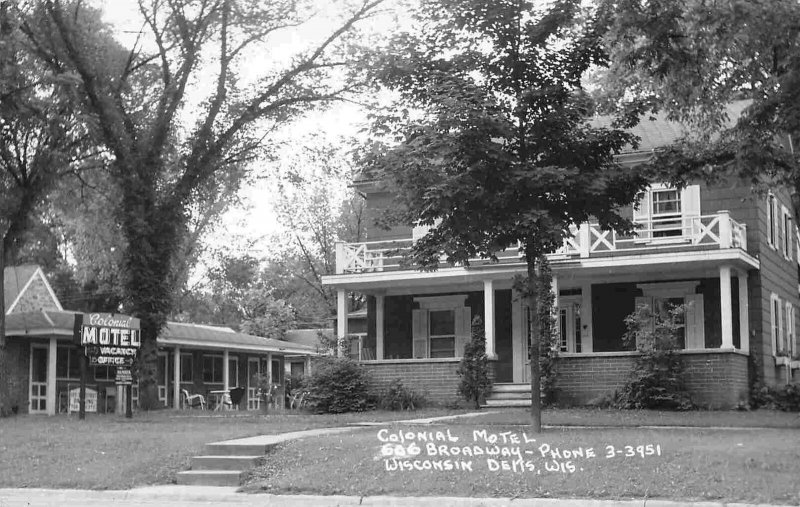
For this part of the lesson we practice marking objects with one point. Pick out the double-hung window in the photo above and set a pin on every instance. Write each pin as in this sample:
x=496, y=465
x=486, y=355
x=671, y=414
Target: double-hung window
x=664, y=212
x=212, y=369
x=786, y=233
x=777, y=327
x=772, y=220
x=441, y=327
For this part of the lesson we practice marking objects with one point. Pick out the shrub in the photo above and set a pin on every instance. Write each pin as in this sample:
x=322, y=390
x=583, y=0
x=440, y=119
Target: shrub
x=400, y=397
x=786, y=398
x=656, y=380
x=336, y=385
x=473, y=369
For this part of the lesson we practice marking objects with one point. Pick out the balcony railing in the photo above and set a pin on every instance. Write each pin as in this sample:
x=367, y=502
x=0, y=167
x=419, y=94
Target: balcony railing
x=588, y=240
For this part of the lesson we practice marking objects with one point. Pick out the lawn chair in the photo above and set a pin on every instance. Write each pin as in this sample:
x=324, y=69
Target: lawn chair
x=298, y=399
x=268, y=397
x=234, y=398
x=193, y=400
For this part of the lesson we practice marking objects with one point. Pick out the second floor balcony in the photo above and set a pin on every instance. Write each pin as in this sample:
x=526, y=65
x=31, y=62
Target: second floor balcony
x=670, y=234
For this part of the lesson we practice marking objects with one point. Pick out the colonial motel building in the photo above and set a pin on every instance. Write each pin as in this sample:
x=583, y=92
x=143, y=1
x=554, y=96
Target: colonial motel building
x=42, y=363
x=730, y=253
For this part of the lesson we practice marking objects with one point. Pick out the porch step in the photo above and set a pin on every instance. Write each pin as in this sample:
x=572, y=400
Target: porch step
x=210, y=477
x=509, y=395
x=508, y=403
x=224, y=462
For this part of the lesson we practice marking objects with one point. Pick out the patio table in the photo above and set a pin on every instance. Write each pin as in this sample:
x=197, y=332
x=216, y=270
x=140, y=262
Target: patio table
x=219, y=398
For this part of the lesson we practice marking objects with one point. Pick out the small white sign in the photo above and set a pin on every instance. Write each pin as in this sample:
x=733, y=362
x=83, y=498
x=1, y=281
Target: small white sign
x=75, y=400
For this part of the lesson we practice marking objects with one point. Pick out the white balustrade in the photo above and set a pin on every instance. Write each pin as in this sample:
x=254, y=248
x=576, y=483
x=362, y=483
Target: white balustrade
x=718, y=230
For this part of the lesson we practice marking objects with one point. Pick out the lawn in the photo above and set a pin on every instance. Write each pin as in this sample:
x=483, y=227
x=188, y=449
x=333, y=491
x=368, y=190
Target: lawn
x=109, y=452
x=748, y=464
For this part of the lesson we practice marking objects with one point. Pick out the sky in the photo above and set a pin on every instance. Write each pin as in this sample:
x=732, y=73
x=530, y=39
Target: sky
x=255, y=222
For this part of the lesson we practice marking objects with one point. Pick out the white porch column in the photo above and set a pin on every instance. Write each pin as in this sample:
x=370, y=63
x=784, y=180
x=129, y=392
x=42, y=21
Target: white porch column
x=554, y=288
x=380, y=300
x=269, y=367
x=488, y=317
x=51, y=377
x=225, y=370
x=725, y=307
x=308, y=365
x=744, y=312
x=176, y=380
x=341, y=321
x=586, y=318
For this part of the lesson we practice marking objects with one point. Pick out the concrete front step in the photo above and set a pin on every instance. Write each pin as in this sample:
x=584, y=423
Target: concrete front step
x=511, y=388
x=232, y=449
x=210, y=477
x=508, y=403
x=224, y=462
x=511, y=396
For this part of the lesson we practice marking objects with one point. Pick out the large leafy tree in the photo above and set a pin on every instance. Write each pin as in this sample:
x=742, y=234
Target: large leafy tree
x=692, y=59
x=491, y=145
x=41, y=140
x=172, y=142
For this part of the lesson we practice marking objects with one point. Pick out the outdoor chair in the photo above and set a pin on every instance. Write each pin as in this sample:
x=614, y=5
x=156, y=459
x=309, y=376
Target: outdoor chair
x=297, y=399
x=234, y=397
x=268, y=397
x=193, y=400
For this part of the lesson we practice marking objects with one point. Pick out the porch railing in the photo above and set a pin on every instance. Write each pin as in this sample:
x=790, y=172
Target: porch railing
x=718, y=230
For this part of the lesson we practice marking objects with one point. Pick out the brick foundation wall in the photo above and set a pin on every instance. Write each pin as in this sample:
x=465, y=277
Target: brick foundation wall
x=435, y=378
x=716, y=379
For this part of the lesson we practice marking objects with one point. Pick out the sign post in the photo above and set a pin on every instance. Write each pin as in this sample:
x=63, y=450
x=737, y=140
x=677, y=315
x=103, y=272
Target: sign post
x=109, y=340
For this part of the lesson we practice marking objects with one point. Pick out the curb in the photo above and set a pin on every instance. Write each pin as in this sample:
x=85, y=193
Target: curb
x=187, y=495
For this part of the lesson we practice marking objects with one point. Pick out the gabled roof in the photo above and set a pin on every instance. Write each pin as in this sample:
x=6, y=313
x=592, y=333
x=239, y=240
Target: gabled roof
x=16, y=278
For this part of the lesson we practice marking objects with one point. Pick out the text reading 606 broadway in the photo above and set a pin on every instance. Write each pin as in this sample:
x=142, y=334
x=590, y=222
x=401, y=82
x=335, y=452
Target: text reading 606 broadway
x=508, y=451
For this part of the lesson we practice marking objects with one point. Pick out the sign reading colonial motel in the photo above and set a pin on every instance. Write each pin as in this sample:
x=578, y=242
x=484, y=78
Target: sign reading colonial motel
x=110, y=339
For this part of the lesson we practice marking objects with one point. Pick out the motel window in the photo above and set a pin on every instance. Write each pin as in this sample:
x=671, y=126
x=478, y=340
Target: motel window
x=441, y=327
x=772, y=216
x=789, y=324
x=665, y=212
x=68, y=363
x=786, y=233
x=105, y=373
x=442, y=337
x=776, y=318
x=212, y=369
x=233, y=371
x=186, y=368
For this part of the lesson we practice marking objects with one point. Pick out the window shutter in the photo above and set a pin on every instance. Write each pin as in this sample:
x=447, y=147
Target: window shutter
x=641, y=215
x=419, y=326
x=775, y=224
x=646, y=301
x=463, y=329
x=694, y=322
x=690, y=209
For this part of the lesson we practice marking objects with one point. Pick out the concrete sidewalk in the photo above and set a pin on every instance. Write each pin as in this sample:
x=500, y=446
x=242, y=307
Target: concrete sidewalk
x=227, y=496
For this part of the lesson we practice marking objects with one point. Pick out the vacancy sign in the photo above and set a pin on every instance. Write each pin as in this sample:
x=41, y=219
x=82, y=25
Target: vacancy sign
x=110, y=339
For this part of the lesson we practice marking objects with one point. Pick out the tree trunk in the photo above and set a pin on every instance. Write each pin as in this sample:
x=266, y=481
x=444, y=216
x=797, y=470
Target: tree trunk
x=531, y=259
x=5, y=396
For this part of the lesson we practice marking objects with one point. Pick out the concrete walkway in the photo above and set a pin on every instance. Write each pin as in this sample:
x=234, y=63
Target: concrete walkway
x=226, y=496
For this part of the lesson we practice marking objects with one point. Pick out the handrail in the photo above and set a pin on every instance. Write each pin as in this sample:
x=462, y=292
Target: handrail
x=688, y=231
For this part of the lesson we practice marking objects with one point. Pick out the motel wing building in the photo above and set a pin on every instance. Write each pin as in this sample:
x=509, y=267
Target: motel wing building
x=731, y=253
x=42, y=363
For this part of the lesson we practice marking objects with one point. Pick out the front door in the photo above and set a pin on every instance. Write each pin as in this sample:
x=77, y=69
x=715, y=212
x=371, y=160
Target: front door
x=568, y=325
x=253, y=369
x=38, y=379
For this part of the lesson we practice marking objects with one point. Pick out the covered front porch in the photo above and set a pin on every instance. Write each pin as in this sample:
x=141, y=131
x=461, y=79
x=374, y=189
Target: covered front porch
x=417, y=324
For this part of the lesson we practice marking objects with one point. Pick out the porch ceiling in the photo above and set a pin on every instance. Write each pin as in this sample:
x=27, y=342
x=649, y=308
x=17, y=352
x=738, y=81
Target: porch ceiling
x=657, y=265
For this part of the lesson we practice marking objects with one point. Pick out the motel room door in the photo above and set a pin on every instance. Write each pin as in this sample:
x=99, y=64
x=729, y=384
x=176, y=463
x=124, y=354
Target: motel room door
x=38, y=379
x=253, y=369
x=568, y=329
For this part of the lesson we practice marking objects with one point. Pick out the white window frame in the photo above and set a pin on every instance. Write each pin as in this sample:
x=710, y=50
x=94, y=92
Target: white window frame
x=786, y=228
x=187, y=371
x=453, y=303
x=213, y=370
x=789, y=326
x=772, y=219
x=776, y=324
x=441, y=337
x=66, y=349
x=685, y=217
